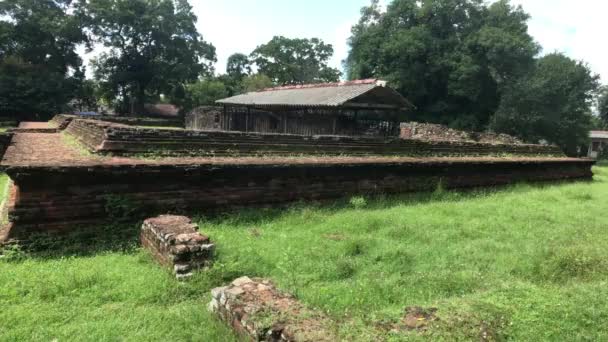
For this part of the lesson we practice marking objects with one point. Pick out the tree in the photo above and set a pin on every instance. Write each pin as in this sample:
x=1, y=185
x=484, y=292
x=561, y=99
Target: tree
x=295, y=61
x=238, y=66
x=203, y=93
x=602, y=104
x=256, y=82
x=153, y=48
x=451, y=58
x=38, y=57
x=552, y=103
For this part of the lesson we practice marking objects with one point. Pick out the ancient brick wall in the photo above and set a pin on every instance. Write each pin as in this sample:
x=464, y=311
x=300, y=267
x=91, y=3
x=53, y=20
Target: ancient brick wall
x=175, y=243
x=61, y=121
x=63, y=198
x=435, y=132
x=258, y=311
x=204, y=118
x=118, y=139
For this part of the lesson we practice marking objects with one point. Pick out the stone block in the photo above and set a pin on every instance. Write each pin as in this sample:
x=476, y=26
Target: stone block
x=175, y=243
x=258, y=311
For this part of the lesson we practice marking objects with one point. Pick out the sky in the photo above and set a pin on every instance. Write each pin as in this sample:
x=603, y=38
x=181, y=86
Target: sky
x=571, y=26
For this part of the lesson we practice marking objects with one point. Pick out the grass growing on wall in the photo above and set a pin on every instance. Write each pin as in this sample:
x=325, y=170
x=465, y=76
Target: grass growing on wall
x=522, y=263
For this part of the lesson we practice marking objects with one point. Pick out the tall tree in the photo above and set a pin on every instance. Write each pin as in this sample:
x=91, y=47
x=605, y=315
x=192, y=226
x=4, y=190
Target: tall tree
x=295, y=61
x=451, y=58
x=602, y=104
x=153, y=47
x=238, y=66
x=38, y=57
x=553, y=103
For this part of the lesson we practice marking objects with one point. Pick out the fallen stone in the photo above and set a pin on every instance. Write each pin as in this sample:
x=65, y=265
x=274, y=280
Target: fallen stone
x=175, y=243
x=257, y=310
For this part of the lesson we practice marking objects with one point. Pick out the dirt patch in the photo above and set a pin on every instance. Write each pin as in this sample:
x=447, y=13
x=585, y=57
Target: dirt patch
x=416, y=318
x=335, y=237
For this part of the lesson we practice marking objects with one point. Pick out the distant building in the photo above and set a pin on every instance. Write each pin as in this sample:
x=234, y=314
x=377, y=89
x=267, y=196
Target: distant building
x=599, y=141
x=161, y=110
x=364, y=107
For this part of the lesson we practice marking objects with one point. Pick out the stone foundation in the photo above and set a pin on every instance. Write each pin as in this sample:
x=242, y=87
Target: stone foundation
x=61, y=199
x=257, y=310
x=175, y=243
x=116, y=139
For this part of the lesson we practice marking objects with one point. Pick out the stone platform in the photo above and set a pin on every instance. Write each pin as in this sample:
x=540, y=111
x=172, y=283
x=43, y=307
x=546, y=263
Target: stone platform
x=34, y=127
x=59, y=187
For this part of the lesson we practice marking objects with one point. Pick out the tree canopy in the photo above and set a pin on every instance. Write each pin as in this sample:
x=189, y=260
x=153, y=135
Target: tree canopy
x=152, y=48
x=552, y=103
x=38, y=58
x=602, y=104
x=295, y=61
x=451, y=58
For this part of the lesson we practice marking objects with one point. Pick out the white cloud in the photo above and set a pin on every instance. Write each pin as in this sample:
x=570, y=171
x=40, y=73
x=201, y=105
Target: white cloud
x=575, y=28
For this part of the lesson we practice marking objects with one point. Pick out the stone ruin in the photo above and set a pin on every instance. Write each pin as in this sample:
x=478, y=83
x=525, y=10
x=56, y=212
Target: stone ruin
x=257, y=310
x=435, y=132
x=175, y=243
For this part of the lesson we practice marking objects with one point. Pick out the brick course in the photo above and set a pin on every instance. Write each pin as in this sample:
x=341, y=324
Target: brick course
x=175, y=243
x=109, y=138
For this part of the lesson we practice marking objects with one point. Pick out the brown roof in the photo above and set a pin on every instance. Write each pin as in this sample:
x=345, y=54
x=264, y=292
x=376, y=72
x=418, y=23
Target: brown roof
x=161, y=109
x=339, y=94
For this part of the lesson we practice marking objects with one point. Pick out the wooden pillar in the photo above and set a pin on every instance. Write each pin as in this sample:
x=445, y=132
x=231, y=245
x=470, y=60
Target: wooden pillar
x=334, y=125
x=284, y=123
x=247, y=119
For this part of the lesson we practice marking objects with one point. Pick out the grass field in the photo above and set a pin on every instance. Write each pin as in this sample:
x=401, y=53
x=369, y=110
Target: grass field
x=521, y=263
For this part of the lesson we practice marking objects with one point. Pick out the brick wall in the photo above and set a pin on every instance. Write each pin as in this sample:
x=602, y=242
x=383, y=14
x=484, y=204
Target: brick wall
x=103, y=137
x=60, y=199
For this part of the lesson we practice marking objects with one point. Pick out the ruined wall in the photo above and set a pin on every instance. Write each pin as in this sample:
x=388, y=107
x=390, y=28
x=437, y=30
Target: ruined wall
x=118, y=139
x=62, y=120
x=435, y=132
x=5, y=141
x=204, y=118
x=60, y=199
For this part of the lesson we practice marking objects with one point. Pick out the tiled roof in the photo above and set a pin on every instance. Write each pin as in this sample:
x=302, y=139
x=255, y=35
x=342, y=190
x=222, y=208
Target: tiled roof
x=315, y=95
x=599, y=134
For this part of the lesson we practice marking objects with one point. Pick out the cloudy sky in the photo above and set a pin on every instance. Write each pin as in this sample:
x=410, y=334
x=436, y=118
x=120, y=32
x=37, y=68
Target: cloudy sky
x=571, y=26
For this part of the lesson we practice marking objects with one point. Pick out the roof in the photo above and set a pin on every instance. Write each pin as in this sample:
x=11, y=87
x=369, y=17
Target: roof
x=324, y=95
x=599, y=134
x=161, y=109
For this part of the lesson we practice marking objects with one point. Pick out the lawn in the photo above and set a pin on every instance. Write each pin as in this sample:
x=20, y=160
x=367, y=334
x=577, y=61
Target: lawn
x=526, y=262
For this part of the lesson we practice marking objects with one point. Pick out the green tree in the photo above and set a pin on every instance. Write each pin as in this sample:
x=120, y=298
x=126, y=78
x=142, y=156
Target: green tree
x=553, y=103
x=295, y=61
x=602, y=105
x=256, y=82
x=203, y=93
x=38, y=41
x=451, y=58
x=153, y=47
x=238, y=66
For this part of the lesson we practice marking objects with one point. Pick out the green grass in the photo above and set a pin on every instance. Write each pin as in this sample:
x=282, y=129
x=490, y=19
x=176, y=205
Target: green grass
x=520, y=263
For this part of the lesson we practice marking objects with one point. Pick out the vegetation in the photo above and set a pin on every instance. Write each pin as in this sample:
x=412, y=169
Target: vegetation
x=462, y=61
x=39, y=66
x=602, y=105
x=552, y=103
x=153, y=48
x=521, y=263
x=295, y=61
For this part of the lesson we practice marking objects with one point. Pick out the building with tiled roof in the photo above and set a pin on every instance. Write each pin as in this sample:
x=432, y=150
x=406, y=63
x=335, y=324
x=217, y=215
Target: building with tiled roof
x=363, y=107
